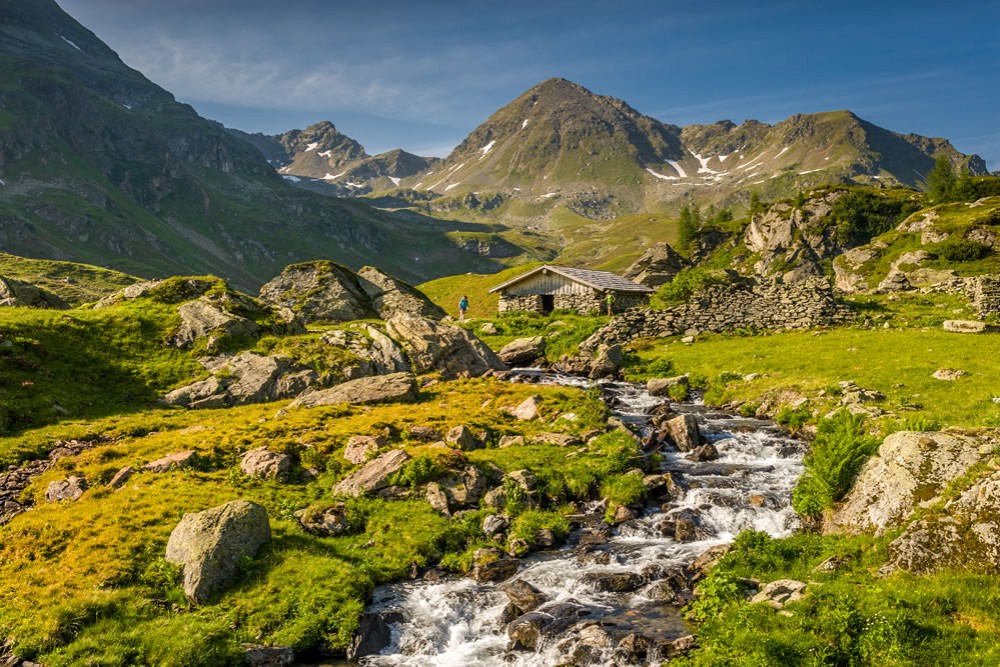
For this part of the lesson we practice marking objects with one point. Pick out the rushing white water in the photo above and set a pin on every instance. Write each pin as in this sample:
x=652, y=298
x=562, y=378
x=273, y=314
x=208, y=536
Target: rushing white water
x=457, y=622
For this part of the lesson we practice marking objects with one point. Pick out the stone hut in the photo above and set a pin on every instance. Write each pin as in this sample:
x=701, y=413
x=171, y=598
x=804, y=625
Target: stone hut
x=549, y=288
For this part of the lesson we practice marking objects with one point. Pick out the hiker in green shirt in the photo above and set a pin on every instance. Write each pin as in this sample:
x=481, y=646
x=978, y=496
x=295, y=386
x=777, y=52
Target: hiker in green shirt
x=609, y=299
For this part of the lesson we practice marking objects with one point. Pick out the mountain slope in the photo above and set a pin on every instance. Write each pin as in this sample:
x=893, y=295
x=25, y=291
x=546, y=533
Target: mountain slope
x=99, y=165
x=560, y=144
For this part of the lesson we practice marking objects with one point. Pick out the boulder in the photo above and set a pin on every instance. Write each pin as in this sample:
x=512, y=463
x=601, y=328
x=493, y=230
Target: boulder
x=895, y=281
x=683, y=430
x=528, y=631
x=268, y=656
x=658, y=265
x=607, y=362
x=910, y=468
x=614, y=582
x=121, y=477
x=205, y=318
x=360, y=448
x=495, y=570
x=662, y=386
x=495, y=524
x=262, y=462
x=707, y=452
x=948, y=374
x=524, y=596
x=174, y=461
x=395, y=387
x=449, y=350
x=209, y=545
x=373, y=476
x=779, y=593
x=177, y=291
x=465, y=487
x=246, y=378
x=461, y=437
x=511, y=440
x=965, y=537
x=964, y=326
x=66, y=489
x=319, y=291
x=390, y=296
x=437, y=498
x=522, y=351
x=527, y=409
x=373, y=634
x=325, y=519
x=558, y=439
x=19, y=293
x=488, y=329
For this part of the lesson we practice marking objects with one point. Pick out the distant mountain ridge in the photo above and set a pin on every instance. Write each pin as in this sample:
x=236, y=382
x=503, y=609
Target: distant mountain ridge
x=560, y=144
x=99, y=165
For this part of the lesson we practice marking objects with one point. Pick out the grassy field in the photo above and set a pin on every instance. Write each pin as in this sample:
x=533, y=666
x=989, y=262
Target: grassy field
x=447, y=292
x=76, y=283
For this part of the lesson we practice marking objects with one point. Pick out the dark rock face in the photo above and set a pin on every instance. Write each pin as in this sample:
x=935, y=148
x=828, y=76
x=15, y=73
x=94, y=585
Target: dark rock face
x=615, y=582
x=524, y=596
x=496, y=570
x=549, y=620
x=373, y=634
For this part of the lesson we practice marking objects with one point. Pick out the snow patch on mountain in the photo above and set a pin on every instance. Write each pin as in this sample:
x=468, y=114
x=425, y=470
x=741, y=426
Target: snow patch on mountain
x=662, y=177
x=487, y=148
x=71, y=43
x=452, y=185
x=325, y=153
x=678, y=168
x=395, y=181
x=293, y=179
x=333, y=177
x=313, y=146
x=524, y=123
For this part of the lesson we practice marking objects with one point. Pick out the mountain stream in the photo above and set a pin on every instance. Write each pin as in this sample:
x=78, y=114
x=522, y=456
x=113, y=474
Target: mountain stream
x=459, y=622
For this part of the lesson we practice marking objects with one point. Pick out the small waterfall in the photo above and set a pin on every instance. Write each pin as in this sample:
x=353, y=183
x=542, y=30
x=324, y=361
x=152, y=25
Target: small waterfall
x=459, y=623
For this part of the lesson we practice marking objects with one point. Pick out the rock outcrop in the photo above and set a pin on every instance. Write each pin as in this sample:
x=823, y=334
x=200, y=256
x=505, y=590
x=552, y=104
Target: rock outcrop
x=246, y=378
x=66, y=489
x=323, y=291
x=910, y=469
x=395, y=387
x=522, y=351
x=373, y=476
x=262, y=462
x=658, y=265
x=19, y=293
x=209, y=545
x=435, y=346
x=375, y=352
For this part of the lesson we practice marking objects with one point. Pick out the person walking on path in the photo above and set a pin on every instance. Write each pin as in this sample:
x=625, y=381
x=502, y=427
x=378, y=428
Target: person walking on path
x=609, y=299
x=463, y=306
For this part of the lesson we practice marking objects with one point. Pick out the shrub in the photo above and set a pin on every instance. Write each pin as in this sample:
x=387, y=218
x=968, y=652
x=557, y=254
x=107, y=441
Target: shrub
x=860, y=215
x=527, y=526
x=963, y=250
x=841, y=447
x=685, y=283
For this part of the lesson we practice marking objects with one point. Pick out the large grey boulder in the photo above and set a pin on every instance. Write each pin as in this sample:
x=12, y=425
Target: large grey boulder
x=683, y=430
x=262, y=462
x=66, y=489
x=522, y=351
x=435, y=346
x=658, y=265
x=209, y=545
x=391, y=296
x=373, y=476
x=376, y=353
x=319, y=291
x=246, y=378
x=966, y=537
x=911, y=468
x=19, y=293
x=964, y=326
x=205, y=319
x=395, y=387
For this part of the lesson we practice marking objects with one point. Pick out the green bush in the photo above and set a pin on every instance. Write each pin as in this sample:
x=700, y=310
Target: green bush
x=841, y=447
x=963, y=250
x=686, y=283
x=528, y=524
x=861, y=215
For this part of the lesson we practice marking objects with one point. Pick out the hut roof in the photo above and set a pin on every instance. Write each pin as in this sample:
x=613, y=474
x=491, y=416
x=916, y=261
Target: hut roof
x=599, y=280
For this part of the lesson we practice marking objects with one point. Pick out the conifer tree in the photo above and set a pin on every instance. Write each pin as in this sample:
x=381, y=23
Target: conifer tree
x=941, y=180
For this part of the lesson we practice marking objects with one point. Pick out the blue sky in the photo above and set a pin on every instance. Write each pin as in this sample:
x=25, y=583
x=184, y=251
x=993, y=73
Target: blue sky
x=421, y=75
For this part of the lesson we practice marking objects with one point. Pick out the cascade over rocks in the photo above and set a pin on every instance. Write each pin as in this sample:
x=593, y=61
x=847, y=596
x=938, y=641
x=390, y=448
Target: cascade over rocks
x=19, y=293
x=246, y=378
x=447, y=349
x=209, y=545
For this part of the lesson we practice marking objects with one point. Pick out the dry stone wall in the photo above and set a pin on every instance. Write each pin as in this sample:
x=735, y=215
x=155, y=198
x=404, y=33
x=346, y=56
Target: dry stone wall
x=768, y=306
x=590, y=302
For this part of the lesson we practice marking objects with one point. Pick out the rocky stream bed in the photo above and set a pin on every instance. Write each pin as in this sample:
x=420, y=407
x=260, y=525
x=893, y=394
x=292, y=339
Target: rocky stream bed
x=610, y=596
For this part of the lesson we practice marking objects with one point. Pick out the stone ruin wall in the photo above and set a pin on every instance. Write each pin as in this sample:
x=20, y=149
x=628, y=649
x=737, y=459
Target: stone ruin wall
x=590, y=302
x=719, y=308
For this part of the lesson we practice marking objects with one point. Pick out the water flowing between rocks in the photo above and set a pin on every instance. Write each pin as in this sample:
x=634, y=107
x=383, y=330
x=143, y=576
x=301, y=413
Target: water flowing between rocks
x=459, y=622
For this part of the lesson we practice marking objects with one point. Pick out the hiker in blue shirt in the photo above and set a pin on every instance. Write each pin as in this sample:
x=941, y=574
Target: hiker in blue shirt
x=463, y=306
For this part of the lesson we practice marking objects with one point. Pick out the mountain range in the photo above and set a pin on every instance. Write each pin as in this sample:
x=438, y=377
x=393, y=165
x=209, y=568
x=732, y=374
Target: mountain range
x=100, y=165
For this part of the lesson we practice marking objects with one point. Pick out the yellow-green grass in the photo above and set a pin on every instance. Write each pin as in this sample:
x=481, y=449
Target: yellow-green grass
x=447, y=292
x=611, y=245
x=85, y=582
x=899, y=363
